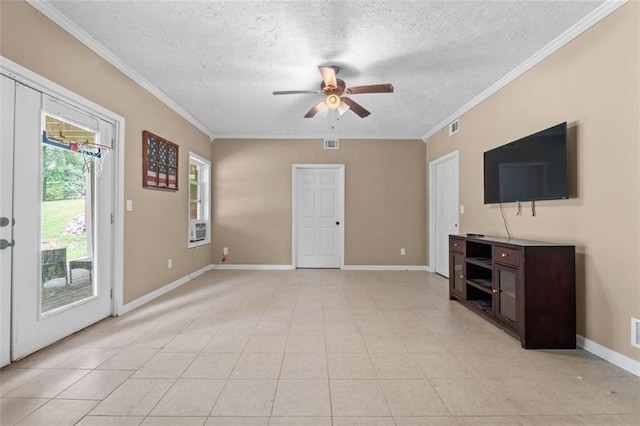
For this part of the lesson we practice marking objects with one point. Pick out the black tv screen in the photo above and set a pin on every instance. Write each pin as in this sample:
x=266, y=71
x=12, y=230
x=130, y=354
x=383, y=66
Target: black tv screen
x=529, y=169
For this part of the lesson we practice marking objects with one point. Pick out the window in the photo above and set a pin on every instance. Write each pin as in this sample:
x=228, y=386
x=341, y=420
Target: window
x=199, y=195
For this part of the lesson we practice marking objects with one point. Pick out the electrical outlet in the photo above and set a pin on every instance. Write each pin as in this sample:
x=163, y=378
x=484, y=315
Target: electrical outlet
x=225, y=251
x=403, y=252
x=170, y=263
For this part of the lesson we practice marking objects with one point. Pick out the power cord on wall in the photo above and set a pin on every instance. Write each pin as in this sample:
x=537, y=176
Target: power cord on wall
x=506, y=226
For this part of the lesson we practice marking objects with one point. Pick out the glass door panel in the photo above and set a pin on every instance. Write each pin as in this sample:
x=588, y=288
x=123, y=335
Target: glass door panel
x=507, y=287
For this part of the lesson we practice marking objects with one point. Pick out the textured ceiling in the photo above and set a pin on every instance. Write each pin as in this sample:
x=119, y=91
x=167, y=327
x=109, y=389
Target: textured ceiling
x=220, y=60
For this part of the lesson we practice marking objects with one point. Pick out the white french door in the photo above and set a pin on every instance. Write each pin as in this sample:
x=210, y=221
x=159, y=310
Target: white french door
x=59, y=270
x=444, y=189
x=318, y=209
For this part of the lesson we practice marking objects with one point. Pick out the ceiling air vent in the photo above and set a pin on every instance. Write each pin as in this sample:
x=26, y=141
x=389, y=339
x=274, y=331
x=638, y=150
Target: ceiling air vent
x=454, y=127
x=331, y=143
x=635, y=332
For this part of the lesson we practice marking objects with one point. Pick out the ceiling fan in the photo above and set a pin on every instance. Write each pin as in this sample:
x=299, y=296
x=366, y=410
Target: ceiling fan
x=334, y=89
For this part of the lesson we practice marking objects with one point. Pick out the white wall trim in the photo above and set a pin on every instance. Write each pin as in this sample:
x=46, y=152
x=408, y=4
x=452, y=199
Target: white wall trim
x=432, y=204
x=583, y=25
x=123, y=309
x=83, y=37
x=622, y=361
x=422, y=268
x=253, y=267
x=294, y=206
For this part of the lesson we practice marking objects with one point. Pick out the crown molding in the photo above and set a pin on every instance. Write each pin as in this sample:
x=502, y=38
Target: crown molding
x=66, y=24
x=583, y=25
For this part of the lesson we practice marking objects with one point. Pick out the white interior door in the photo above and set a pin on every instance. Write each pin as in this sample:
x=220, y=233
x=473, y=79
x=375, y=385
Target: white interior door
x=318, y=206
x=7, y=95
x=62, y=255
x=444, y=186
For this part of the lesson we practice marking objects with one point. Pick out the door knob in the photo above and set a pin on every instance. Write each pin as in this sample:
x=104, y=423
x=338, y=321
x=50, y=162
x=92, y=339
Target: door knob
x=337, y=223
x=6, y=244
x=4, y=221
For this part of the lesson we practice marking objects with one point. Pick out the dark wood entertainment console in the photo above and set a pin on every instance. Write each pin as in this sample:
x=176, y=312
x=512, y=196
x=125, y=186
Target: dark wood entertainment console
x=526, y=287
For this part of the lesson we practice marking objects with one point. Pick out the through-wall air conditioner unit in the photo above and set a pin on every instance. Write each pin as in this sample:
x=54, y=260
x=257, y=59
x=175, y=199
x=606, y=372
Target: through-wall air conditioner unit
x=197, y=231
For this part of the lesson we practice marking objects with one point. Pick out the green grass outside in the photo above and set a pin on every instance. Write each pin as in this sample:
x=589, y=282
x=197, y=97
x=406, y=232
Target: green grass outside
x=55, y=217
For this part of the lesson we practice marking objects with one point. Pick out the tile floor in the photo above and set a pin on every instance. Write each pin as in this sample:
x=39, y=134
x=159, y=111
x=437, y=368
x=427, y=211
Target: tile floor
x=310, y=347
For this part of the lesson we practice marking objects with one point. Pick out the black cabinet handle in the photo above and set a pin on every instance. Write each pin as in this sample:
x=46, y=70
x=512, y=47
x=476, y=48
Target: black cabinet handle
x=337, y=223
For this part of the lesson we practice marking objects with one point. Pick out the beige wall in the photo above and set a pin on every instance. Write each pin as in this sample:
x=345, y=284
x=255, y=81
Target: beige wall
x=385, y=199
x=593, y=84
x=156, y=229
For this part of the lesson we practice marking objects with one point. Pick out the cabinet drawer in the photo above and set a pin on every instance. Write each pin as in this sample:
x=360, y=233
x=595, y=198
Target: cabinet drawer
x=506, y=256
x=456, y=244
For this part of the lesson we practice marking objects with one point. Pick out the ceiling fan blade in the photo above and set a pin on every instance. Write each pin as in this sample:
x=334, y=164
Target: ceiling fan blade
x=316, y=108
x=295, y=92
x=329, y=76
x=343, y=107
x=356, y=107
x=371, y=88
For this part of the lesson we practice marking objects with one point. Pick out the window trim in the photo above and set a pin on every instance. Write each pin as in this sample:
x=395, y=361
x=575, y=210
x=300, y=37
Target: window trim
x=204, y=184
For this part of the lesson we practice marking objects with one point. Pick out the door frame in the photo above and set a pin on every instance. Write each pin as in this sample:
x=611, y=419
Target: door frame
x=37, y=82
x=294, y=208
x=432, y=203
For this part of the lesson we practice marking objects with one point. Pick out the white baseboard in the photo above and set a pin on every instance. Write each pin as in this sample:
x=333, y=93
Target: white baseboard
x=384, y=268
x=253, y=267
x=162, y=290
x=622, y=361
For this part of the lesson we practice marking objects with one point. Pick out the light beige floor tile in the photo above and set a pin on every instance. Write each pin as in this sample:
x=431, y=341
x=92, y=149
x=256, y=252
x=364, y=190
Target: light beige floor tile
x=345, y=343
x=413, y=398
x=470, y=397
x=425, y=344
x=272, y=327
x=493, y=420
x=237, y=421
x=350, y=366
x=302, y=397
x=98, y=384
x=300, y=421
x=174, y=421
x=246, y=398
x=59, y=412
x=363, y=421
x=307, y=327
x=304, y=366
x=48, y=384
x=203, y=326
x=111, y=421
x=266, y=343
x=375, y=327
x=306, y=343
x=211, y=366
x=396, y=366
x=12, y=410
x=308, y=314
x=257, y=366
x=343, y=327
x=49, y=357
x=227, y=343
x=358, y=398
x=384, y=344
x=425, y=421
x=165, y=366
x=154, y=339
x=238, y=326
x=188, y=343
x=441, y=366
x=189, y=397
x=88, y=358
x=135, y=397
x=128, y=359
x=12, y=378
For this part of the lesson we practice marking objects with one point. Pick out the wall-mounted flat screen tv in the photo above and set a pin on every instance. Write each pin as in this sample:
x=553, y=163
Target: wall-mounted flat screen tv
x=530, y=169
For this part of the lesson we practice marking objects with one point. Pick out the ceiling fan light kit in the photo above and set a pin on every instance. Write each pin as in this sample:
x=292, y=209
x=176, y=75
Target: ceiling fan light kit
x=333, y=88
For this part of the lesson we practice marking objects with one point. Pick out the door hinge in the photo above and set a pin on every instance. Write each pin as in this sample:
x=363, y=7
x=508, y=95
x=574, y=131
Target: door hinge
x=112, y=218
x=111, y=293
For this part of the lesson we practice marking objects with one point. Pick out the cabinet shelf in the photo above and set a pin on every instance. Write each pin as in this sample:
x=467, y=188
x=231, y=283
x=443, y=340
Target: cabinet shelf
x=484, y=262
x=485, y=306
x=485, y=285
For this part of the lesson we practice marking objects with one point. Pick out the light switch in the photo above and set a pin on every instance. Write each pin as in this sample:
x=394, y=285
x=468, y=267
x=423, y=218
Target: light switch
x=129, y=205
x=461, y=209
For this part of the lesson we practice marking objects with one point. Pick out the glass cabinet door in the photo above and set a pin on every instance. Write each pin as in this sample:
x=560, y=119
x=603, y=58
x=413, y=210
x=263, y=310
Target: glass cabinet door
x=456, y=275
x=505, y=293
